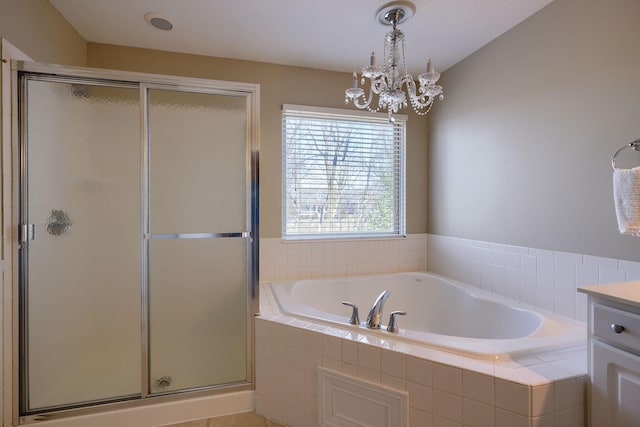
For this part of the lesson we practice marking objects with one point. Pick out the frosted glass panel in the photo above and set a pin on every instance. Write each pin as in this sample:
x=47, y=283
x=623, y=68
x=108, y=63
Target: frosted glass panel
x=198, y=303
x=198, y=162
x=84, y=264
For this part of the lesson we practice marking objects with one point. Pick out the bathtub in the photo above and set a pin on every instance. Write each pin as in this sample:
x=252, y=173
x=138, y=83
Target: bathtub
x=441, y=313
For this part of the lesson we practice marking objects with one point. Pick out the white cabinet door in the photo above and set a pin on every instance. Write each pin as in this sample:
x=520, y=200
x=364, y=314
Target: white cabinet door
x=615, y=392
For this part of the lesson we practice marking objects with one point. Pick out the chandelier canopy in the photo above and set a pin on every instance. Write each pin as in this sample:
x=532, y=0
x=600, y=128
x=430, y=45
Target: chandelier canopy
x=390, y=80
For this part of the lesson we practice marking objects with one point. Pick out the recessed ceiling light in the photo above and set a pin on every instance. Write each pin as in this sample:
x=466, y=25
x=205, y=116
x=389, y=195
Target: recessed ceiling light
x=158, y=21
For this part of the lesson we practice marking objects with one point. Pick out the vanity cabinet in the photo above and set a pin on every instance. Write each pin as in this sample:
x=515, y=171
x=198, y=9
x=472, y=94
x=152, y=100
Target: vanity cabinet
x=614, y=354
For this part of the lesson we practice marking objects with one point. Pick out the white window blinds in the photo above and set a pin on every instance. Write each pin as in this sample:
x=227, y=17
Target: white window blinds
x=343, y=173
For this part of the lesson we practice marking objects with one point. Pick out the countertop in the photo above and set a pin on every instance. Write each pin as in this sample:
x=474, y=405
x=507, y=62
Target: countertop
x=625, y=292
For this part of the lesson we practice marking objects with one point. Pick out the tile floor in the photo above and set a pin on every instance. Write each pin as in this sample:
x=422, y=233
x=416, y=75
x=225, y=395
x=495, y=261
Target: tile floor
x=247, y=419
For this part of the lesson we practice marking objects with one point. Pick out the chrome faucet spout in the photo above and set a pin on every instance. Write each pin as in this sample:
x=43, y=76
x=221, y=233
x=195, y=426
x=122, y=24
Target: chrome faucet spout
x=375, y=314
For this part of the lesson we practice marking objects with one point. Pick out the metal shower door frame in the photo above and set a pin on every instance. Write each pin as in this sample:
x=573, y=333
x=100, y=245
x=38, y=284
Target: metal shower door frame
x=145, y=82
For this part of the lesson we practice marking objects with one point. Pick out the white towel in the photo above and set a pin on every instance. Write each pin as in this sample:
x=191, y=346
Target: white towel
x=626, y=193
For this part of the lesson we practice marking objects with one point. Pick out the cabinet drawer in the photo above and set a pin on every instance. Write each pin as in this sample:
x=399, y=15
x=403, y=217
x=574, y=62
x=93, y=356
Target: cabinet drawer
x=604, y=320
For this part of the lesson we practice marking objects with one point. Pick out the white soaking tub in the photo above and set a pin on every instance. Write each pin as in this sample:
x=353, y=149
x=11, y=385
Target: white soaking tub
x=441, y=313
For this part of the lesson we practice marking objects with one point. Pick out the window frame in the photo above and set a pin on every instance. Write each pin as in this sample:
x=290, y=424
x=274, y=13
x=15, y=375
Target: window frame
x=399, y=184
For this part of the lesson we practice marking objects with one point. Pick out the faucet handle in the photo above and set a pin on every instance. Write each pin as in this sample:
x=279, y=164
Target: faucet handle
x=393, y=324
x=355, y=318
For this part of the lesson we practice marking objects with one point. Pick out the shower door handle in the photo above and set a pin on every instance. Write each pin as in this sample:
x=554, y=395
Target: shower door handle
x=26, y=232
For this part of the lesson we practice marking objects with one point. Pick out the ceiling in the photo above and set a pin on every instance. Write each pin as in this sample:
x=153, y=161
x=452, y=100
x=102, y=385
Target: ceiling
x=336, y=35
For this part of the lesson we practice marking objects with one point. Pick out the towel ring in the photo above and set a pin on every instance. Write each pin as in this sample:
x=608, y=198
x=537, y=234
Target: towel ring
x=635, y=145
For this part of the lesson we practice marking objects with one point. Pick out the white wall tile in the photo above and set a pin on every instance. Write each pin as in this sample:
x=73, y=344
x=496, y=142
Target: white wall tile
x=610, y=275
x=587, y=274
x=537, y=277
x=565, y=279
x=513, y=261
x=541, y=253
x=568, y=257
x=565, y=307
x=630, y=266
x=499, y=258
x=601, y=262
x=528, y=286
x=518, y=250
x=499, y=281
x=545, y=269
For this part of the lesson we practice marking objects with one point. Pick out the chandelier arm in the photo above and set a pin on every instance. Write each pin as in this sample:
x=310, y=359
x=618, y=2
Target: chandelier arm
x=367, y=100
x=378, y=84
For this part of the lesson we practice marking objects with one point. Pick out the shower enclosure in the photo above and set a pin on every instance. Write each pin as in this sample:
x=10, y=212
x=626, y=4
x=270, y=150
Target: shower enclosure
x=137, y=242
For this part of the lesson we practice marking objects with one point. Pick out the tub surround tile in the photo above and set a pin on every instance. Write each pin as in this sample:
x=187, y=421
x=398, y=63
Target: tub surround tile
x=393, y=382
x=445, y=422
x=570, y=393
x=246, y=419
x=331, y=346
x=543, y=400
x=510, y=419
x=476, y=414
x=420, y=397
x=393, y=364
x=369, y=374
x=447, y=405
x=447, y=378
x=478, y=387
x=419, y=418
x=369, y=357
x=512, y=397
x=419, y=371
x=350, y=369
x=443, y=388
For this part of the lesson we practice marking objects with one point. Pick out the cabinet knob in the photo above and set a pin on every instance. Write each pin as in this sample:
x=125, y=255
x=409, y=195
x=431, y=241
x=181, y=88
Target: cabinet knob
x=617, y=328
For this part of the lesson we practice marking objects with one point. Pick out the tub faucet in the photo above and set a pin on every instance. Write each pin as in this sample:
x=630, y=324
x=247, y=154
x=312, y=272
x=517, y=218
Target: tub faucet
x=375, y=314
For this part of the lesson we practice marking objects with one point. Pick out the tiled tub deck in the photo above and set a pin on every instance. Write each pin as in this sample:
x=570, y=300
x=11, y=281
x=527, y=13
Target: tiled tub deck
x=444, y=389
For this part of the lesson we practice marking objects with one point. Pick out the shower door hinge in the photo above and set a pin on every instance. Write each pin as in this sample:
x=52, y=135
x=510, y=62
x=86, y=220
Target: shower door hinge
x=27, y=232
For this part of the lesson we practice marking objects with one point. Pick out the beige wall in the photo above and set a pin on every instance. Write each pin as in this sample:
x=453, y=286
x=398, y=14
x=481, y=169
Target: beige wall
x=279, y=85
x=520, y=149
x=37, y=29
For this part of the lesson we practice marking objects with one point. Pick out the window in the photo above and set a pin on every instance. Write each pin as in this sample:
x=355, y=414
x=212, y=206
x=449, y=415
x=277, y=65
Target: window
x=342, y=172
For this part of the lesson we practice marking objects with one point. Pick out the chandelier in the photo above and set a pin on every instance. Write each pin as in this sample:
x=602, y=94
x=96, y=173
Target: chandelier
x=388, y=80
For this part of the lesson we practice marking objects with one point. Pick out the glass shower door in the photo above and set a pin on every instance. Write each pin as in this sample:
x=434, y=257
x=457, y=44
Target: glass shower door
x=198, y=239
x=80, y=243
x=137, y=265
